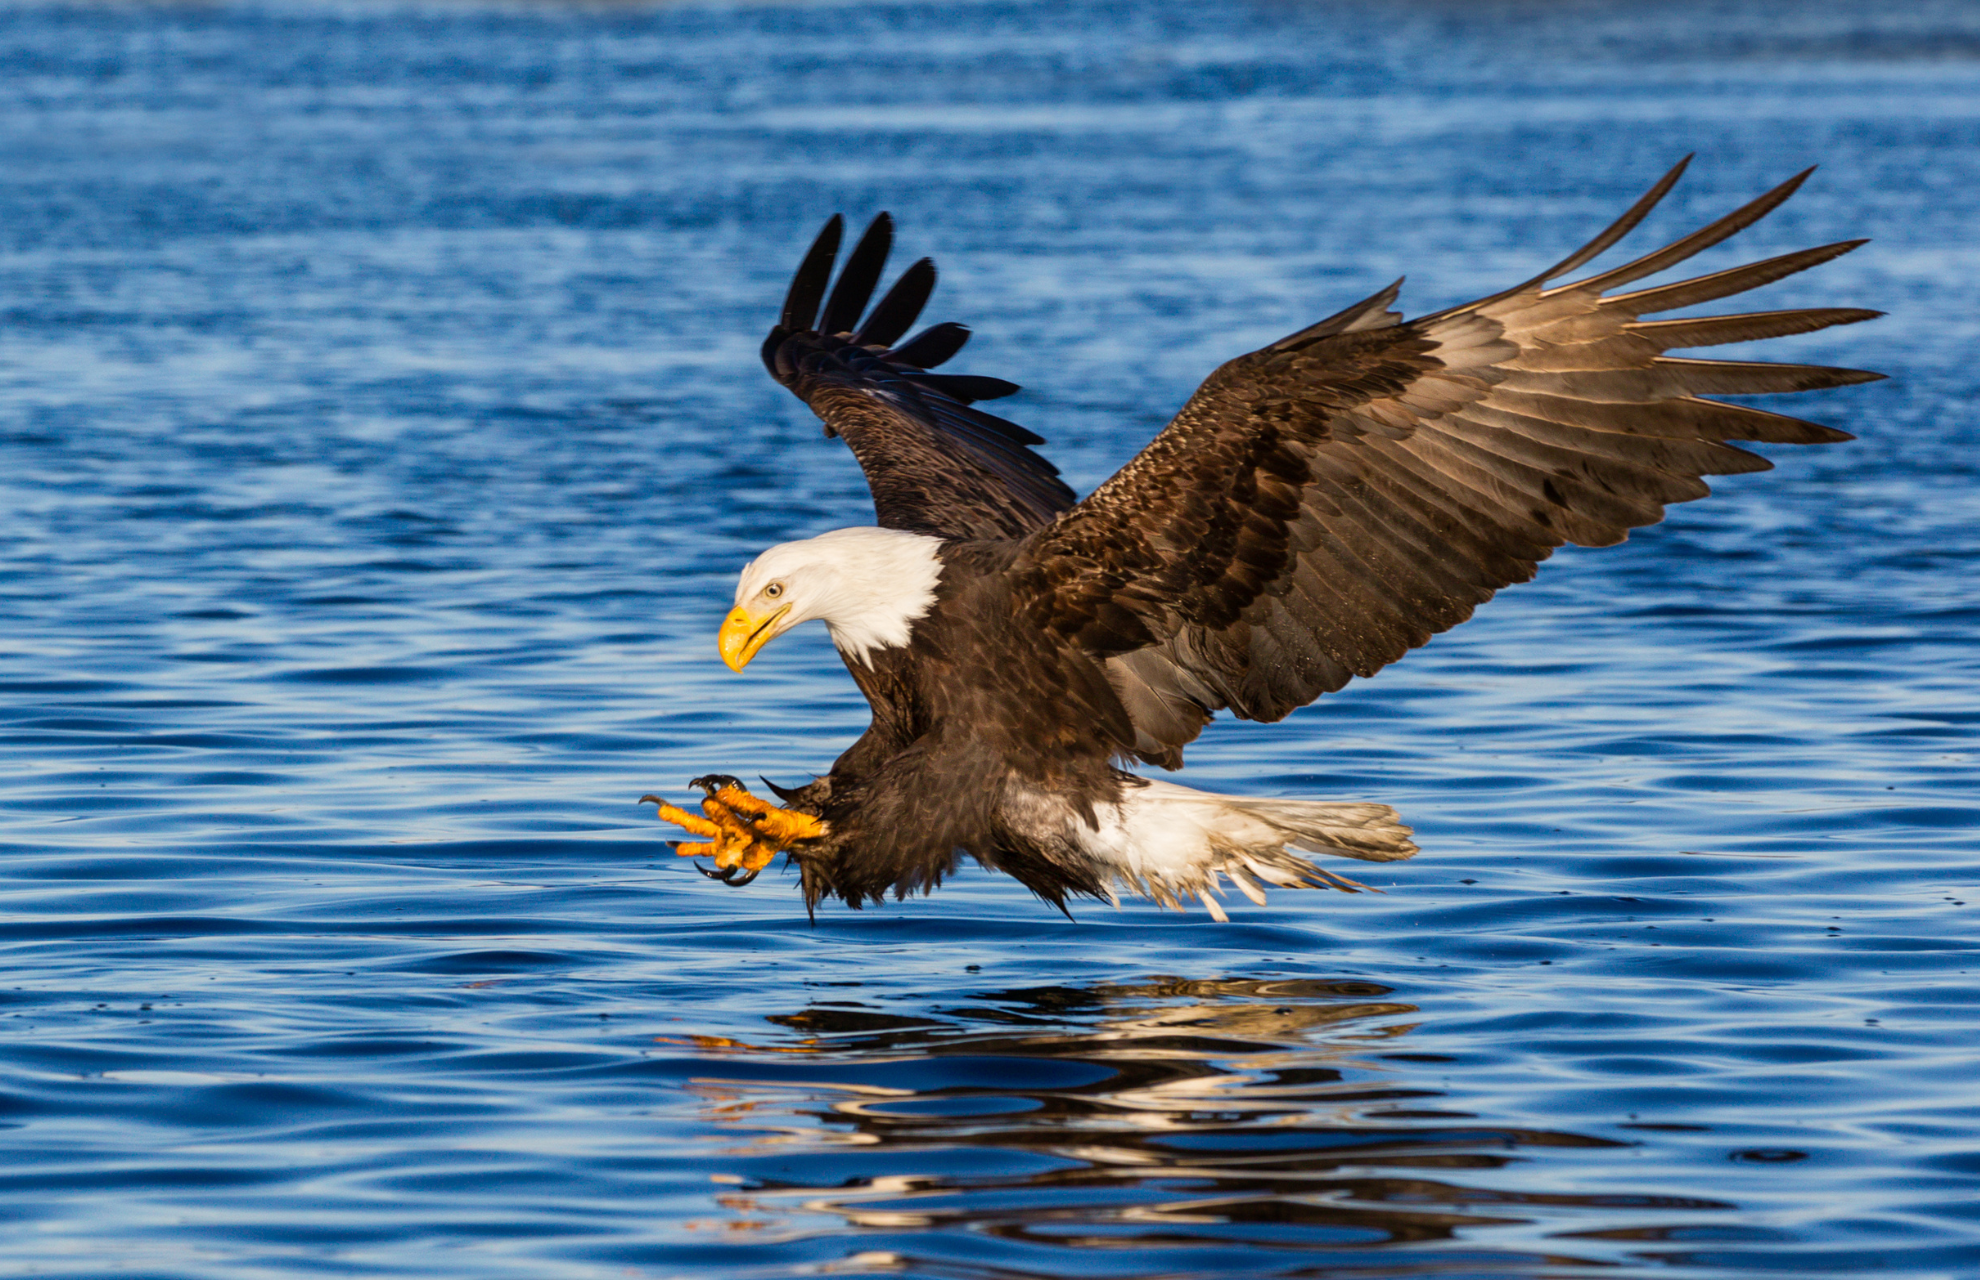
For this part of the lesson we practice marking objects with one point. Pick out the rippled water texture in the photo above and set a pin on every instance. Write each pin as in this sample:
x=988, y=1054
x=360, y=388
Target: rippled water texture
x=383, y=429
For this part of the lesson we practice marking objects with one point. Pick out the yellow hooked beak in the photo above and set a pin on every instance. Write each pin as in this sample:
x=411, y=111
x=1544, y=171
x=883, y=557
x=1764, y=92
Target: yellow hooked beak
x=743, y=633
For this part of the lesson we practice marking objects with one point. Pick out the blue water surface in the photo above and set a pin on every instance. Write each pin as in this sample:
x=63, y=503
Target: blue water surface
x=382, y=431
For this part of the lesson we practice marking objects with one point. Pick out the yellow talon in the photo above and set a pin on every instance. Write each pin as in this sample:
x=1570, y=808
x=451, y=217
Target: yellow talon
x=726, y=821
x=781, y=825
x=682, y=818
x=745, y=832
x=742, y=801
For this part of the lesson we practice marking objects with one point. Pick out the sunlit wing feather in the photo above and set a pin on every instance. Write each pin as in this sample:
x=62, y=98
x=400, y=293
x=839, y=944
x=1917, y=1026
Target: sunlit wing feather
x=935, y=464
x=1327, y=503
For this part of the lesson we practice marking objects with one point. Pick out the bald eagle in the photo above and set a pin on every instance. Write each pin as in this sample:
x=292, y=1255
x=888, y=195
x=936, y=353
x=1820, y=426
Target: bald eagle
x=1317, y=509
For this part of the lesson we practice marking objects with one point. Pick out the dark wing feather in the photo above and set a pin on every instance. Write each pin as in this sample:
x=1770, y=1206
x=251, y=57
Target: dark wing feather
x=813, y=274
x=899, y=308
x=935, y=464
x=1326, y=504
x=858, y=278
x=933, y=346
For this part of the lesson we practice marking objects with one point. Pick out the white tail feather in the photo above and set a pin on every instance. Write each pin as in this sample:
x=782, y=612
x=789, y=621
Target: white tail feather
x=1169, y=843
x=1371, y=832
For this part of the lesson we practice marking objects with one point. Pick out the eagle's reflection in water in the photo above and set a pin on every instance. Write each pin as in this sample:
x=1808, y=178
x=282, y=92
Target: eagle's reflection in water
x=1250, y=1126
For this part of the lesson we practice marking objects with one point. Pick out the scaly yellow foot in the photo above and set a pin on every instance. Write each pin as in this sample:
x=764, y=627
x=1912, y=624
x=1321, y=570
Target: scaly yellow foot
x=744, y=832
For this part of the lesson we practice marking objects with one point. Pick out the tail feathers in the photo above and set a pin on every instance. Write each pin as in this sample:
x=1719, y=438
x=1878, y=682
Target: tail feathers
x=1171, y=843
x=1371, y=832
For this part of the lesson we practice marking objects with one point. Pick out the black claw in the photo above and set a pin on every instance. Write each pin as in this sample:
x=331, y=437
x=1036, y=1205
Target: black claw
x=710, y=783
x=729, y=875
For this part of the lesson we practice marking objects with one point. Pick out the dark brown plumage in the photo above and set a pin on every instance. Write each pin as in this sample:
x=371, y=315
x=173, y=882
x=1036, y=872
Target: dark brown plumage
x=1317, y=509
x=935, y=464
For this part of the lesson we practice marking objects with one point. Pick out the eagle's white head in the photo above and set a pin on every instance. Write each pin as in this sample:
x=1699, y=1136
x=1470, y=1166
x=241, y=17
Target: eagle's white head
x=867, y=585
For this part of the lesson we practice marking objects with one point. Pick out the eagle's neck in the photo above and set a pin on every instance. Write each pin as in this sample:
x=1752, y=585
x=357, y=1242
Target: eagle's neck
x=882, y=581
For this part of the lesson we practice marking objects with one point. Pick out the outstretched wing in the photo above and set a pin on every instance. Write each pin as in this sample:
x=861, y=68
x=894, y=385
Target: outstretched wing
x=935, y=464
x=1324, y=505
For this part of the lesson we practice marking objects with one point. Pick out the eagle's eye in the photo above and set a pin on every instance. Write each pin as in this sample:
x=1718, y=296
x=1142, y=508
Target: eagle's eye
x=774, y=590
